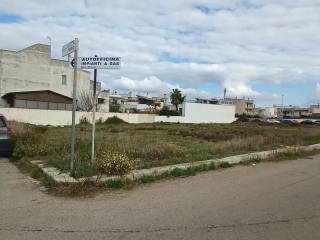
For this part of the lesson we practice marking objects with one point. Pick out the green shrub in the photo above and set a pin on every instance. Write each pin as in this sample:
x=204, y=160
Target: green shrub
x=147, y=179
x=212, y=166
x=165, y=111
x=116, y=184
x=242, y=118
x=84, y=120
x=99, y=121
x=177, y=172
x=84, y=170
x=114, y=120
x=225, y=165
x=58, y=160
x=114, y=163
x=18, y=151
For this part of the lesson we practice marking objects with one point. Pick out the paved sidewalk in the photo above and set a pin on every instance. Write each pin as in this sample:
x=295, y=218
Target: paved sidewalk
x=266, y=201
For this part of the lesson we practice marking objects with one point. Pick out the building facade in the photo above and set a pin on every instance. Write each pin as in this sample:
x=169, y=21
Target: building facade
x=243, y=106
x=33, y=70
x=193, y=112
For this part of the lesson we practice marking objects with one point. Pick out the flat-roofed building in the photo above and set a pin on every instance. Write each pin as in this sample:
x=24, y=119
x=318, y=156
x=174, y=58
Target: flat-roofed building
x=33, y=70
x=243, y=105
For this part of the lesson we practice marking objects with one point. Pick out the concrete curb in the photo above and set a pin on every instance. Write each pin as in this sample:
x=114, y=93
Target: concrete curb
x=61, y=177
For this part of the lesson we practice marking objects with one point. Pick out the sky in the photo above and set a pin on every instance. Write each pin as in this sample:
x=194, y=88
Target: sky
x=261, y=49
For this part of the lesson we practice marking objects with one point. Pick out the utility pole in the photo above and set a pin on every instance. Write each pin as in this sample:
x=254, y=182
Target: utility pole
x=282, y=107
x=94, y=114
x=74, y=103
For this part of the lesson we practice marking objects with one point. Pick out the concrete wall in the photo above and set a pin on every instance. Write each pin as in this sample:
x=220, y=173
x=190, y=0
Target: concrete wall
x=193, y=113
x=202, y=113
x=60, y=118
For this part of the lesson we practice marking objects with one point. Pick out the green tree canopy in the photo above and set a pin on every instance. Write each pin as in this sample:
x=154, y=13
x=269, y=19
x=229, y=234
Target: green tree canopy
x=176, y=97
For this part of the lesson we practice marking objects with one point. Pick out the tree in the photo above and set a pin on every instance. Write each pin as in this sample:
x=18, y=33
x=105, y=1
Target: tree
x=176, y=97
x=84, y=101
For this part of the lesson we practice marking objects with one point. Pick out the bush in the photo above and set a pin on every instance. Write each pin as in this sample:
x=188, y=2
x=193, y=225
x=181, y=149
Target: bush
x=30, y=143
x=166, y=112
x=242, y=118
x=114, y=120
x=116, y=184
x=84, y=120
x=99, y=121
x=114, y=163
x=84, y=170
x=19, y=151
x=225, y=165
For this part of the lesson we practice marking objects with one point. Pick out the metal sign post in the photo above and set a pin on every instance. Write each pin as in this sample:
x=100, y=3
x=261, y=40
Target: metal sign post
x=67, y=49
x=94, y=113
x=97, y=63
x=74, y=103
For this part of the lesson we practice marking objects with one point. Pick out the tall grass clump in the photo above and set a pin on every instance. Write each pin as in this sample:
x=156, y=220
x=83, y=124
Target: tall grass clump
x=114, y=120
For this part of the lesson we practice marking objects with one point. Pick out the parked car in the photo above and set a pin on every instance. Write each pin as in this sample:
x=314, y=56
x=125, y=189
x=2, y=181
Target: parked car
x=6, y=137
x=272, y=121
x=308, y=122
x=289, y=122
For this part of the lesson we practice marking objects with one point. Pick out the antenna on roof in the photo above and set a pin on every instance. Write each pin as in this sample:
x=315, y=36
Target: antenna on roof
x=49, y=38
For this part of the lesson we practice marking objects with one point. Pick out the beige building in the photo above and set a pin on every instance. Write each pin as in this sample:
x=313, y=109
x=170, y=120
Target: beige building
x=243, y=106
x=33, y=69
x=293, y=111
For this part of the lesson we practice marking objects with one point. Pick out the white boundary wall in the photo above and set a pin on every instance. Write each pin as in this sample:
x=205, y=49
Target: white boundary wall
x=192, y=113
x=202, y=113
x=61, y=118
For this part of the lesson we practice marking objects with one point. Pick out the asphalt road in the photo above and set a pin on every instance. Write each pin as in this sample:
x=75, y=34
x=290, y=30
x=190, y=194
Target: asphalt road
x=266, y=201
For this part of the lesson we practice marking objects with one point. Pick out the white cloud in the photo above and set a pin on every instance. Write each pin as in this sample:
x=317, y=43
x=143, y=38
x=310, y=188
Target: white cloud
x=318, y=90
x=154, y=86
x=234, y=43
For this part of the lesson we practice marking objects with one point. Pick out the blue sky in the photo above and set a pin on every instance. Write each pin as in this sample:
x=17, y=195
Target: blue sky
x=7, y=18
x=253, y=48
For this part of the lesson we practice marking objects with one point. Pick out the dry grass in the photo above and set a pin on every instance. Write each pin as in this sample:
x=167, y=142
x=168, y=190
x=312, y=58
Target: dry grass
x=78, y=189
x=160, y=144
x=290, y=155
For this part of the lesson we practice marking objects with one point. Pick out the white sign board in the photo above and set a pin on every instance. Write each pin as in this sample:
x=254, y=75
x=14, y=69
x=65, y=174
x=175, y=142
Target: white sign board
x=100, y=62
x=68, y=48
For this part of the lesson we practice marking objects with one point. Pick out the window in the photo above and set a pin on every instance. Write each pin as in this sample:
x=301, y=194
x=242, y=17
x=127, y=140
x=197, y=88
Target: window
x=53, y=106
x=61, y=106
x=43, y=105
x=20, y=103
x=64, y=79
x=69, y=107
x=32, y=104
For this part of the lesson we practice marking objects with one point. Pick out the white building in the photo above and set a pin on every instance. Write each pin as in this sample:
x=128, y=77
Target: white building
x=202, y=113
x=31, y=72
x=267, y=112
